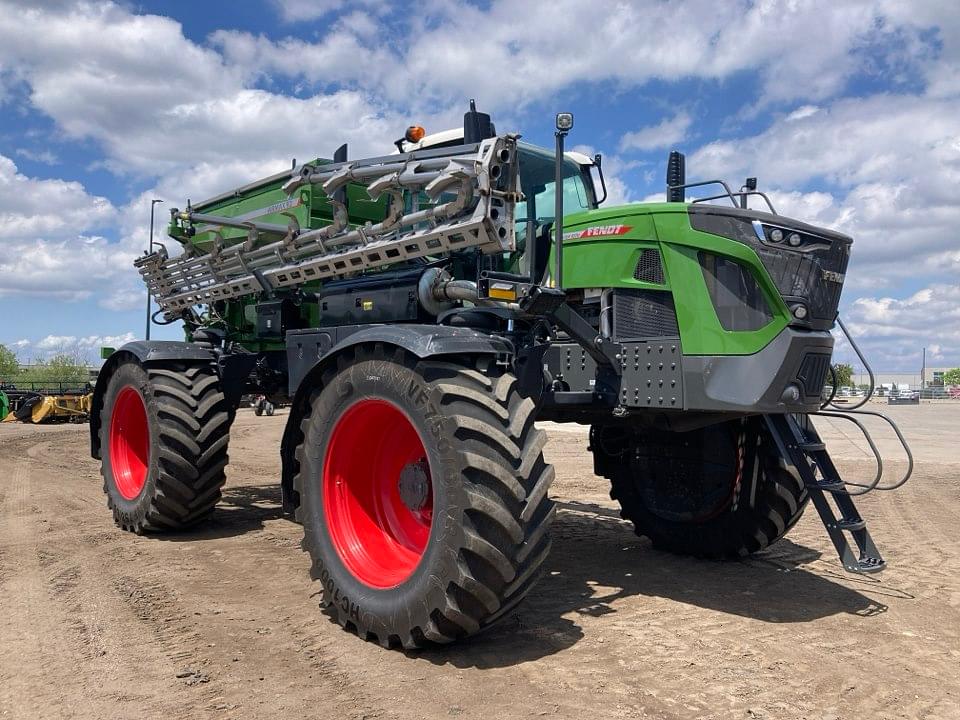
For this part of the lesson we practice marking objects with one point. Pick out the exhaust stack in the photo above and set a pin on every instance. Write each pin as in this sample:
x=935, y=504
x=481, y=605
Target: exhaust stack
x=676, y=176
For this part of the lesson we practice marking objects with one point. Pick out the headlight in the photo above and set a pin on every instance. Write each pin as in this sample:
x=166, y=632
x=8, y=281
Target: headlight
x=800, y=241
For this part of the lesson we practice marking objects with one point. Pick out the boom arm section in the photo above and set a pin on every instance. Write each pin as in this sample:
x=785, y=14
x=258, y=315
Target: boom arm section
x=483, y=183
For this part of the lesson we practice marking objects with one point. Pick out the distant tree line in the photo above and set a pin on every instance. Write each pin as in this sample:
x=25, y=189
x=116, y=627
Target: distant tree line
x=62, y=368
x=844, y=373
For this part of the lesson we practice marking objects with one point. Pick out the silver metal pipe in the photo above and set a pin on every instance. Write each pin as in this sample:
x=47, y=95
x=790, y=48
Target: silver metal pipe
x=231, y=222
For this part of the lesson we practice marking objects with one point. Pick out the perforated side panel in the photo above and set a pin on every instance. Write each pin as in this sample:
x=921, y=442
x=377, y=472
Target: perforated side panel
x=641, y=314
x=649, y=268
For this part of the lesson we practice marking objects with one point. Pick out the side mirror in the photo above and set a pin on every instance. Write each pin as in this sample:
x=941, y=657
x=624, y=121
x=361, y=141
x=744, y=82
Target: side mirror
x=598, y=163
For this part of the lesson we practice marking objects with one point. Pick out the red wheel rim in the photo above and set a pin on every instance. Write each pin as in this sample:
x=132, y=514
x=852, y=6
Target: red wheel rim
x=378, y=535
x=129, y=443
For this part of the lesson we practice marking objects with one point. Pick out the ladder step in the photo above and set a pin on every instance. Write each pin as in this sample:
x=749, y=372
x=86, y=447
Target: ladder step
x=827, y=486
x=870, y=565
x=812, y=446
x=850, y=524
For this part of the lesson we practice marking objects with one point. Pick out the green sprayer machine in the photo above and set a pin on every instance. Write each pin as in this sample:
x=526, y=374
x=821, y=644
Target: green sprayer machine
x=421, y=311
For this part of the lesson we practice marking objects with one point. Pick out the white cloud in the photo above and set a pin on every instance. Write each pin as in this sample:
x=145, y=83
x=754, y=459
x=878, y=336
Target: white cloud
x=55, y=342
x=158, y=102
x=802, y=112
x=892, y=161
x=304, y=10
x=455, y=50
x=31, y=207
x=83, y=347
x=893, y=332
x=45, y=245
x=68, y=269
x=42, y=156
x=98, y=341
x=669, y=131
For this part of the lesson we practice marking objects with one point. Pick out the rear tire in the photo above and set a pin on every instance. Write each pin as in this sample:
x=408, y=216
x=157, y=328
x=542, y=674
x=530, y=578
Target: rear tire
x=461, y=540
x=164, y=435
x=717, y=492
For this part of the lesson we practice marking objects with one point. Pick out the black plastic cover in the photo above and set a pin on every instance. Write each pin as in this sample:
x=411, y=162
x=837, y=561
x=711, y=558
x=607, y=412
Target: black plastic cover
x=735, y=293
x=377, y=298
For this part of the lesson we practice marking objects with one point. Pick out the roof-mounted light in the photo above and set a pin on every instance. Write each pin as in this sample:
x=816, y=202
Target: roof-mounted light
x=414, y=134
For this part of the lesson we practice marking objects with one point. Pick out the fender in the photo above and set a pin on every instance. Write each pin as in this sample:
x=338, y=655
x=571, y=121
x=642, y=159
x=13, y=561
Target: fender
x=310, y=352
x=144, y=352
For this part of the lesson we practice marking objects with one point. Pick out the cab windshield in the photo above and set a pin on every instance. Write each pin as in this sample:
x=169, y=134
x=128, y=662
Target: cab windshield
x=538, y=183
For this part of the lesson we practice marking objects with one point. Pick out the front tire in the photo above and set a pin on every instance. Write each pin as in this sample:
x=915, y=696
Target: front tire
x=716, y=492
x=163, y=434
x=423, y=496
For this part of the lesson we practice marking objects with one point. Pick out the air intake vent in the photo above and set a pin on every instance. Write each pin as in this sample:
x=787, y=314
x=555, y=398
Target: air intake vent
x=639, y=314
x=813, y=374
x=649, y=268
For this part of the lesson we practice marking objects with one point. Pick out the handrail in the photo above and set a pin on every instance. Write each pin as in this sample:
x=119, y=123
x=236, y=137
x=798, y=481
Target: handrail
x=903, y=443
x=741, y=194
x=876, y=453
x=856, y=349
x=726, y=187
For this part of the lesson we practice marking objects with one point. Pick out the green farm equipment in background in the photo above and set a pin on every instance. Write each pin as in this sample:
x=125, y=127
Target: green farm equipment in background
x=421, y=310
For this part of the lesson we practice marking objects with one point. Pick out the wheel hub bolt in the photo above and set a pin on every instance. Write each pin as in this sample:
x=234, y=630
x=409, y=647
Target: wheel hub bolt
x=414, y=485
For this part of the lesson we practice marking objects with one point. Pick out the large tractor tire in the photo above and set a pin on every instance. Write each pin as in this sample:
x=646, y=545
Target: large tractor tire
x=423, y=496
x=716, y=492
x=163, y=439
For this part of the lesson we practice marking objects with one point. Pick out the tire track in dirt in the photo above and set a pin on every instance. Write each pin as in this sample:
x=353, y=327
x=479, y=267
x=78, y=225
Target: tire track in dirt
x=111, y=659
x=140, y=579
x=287, y=640
x=34, y=650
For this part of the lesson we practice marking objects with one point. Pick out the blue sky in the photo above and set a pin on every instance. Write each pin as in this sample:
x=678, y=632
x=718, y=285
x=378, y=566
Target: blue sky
x=848, y=112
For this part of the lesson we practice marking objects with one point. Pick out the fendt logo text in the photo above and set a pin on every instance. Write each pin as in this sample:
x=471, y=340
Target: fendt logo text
x=598, y=231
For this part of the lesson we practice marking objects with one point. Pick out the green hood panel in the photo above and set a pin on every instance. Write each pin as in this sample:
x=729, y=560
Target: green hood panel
x=601, y=249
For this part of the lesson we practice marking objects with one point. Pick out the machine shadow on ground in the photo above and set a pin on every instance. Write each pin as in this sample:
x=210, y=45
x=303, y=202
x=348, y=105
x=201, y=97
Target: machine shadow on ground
x=597, y=561
x=243, y=509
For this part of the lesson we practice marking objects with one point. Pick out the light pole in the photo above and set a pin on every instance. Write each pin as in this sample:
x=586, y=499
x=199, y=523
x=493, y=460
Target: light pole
x=153, y=204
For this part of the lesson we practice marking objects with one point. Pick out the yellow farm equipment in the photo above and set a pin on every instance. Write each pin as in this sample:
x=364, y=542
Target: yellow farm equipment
x=40, y=408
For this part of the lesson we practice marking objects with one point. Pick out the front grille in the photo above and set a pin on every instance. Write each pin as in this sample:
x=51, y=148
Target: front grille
x=639, y=314
x=813, y=374
x=797, y=275
x=649, y=268
x=802, y=276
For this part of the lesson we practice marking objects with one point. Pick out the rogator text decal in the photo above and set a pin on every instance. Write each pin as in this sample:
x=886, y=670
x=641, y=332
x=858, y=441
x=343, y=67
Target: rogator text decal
x=598, y=231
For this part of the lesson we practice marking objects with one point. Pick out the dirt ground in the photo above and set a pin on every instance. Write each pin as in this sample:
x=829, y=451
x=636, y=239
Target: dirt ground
x=224, y=623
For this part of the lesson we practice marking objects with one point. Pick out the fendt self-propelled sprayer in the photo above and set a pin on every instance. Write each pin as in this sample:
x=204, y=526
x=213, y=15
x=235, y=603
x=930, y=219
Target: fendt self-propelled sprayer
x=419, y=316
